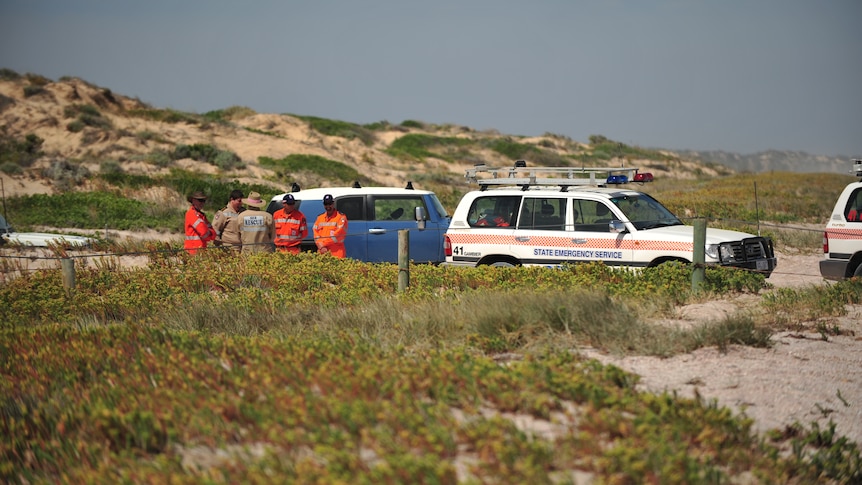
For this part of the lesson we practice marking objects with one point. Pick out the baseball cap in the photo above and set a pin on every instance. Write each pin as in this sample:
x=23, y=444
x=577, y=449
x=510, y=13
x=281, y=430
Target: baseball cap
x=289, y=199
x=327, y=199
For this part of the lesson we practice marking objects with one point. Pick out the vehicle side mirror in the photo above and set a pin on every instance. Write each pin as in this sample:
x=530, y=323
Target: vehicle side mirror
x=419, y=215
x=616, y=226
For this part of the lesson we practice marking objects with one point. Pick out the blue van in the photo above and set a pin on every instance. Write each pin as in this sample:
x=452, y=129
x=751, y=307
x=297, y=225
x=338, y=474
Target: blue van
x=374, y=217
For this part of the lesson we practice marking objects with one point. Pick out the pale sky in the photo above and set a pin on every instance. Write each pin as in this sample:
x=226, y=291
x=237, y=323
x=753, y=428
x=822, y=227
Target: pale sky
x=736, y=75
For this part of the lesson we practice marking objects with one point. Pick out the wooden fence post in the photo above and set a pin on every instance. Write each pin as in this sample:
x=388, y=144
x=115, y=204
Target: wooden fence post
x=403, y=259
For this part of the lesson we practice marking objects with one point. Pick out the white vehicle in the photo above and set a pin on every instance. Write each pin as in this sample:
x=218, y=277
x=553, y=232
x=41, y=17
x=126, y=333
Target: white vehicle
x=570, y=218
x=39, y=239
x=842, y=240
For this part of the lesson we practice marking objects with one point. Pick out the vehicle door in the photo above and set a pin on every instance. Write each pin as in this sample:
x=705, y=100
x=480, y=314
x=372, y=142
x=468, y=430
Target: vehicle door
x=356, y=242
x=592, y=239
x=543, y=232
x=389, y=214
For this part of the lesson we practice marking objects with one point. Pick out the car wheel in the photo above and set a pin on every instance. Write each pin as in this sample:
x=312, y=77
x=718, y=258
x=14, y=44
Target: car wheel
x=502, y=264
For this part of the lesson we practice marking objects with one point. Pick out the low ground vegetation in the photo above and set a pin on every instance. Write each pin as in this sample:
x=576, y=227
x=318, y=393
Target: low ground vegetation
x=281, y=368
x=304, y=368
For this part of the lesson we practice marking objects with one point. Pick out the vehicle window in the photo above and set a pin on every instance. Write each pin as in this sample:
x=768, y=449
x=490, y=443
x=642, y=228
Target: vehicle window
x=853, y=211
x=494, y=211
x=441, y=211
x=543, y=213
x=594, y=216
x=397, y=208
x=352, y=206
x=645, y=212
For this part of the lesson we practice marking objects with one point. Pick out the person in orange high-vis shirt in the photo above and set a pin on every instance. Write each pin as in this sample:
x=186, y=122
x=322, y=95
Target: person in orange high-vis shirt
x=290, y=226
x=198, y=229
x=330, y=229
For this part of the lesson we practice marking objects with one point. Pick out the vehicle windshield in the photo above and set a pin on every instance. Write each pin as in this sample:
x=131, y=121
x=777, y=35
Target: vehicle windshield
x=644, y=212
x=439, y=207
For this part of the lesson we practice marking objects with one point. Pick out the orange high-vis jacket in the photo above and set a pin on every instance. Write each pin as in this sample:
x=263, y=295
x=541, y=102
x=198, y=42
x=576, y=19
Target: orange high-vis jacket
x=198, y=230
x=329, y=233
x=290, y=230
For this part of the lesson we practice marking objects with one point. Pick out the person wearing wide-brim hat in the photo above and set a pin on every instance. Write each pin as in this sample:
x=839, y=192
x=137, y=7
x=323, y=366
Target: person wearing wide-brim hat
x=256, y=226
x=198, y=229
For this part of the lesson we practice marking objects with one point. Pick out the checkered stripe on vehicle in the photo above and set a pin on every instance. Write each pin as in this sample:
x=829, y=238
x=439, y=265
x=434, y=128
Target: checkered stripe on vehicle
x=661, y=246
x=836, y=233
x=481, y=238
x=567, y=242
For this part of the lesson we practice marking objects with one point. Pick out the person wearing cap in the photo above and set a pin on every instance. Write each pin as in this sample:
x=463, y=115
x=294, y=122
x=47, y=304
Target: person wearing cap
x=198, y=229
x=290, y=226
x=256, y=226
x=226, y=222
x=330, y=229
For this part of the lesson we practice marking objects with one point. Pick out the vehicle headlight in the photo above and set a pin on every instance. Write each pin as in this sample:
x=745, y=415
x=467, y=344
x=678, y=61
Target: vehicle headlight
x=712, y=251
x=726, y=253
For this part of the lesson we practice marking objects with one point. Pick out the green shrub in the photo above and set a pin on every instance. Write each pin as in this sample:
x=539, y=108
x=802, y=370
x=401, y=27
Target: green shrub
x=513, y=150
x=378, y=126
x=75, y=126
x=324, y=167
x=228, y=114
x=37, y=79
x=32, y=90
x=159, y=158
x=202, y=152
x=9, y=75
x=413, y=124
x=418, y=146
x=166, y=115
x=340, y=129
x=20, y=152
x=10, y=168
x=110, y=167
x=5, y=101
x=121, y=179
x=227, y=160
x=95, y=210
x=65, y=175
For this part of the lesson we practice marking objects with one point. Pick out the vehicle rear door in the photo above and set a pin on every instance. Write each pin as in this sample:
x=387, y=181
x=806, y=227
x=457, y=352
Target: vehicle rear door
x=541, y=233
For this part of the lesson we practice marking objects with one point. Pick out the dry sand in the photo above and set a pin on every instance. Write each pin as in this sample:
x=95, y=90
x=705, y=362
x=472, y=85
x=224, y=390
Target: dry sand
x=802, y=378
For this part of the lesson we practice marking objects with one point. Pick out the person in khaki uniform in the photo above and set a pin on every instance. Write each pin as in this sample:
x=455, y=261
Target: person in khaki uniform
x=257, y=230
x=226, y=222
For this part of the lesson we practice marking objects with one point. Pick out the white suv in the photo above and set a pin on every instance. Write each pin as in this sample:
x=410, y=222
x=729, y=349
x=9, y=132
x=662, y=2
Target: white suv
x=842, y=240
x=581, y=221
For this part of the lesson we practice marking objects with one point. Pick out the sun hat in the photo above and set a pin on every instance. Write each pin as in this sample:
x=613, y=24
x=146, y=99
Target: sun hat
x=327, y=199
x=289, y=199
x=253, y=200
x=197, y=195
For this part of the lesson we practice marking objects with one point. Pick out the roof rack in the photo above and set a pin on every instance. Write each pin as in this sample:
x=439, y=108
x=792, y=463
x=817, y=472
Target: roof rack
x=524, y=177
